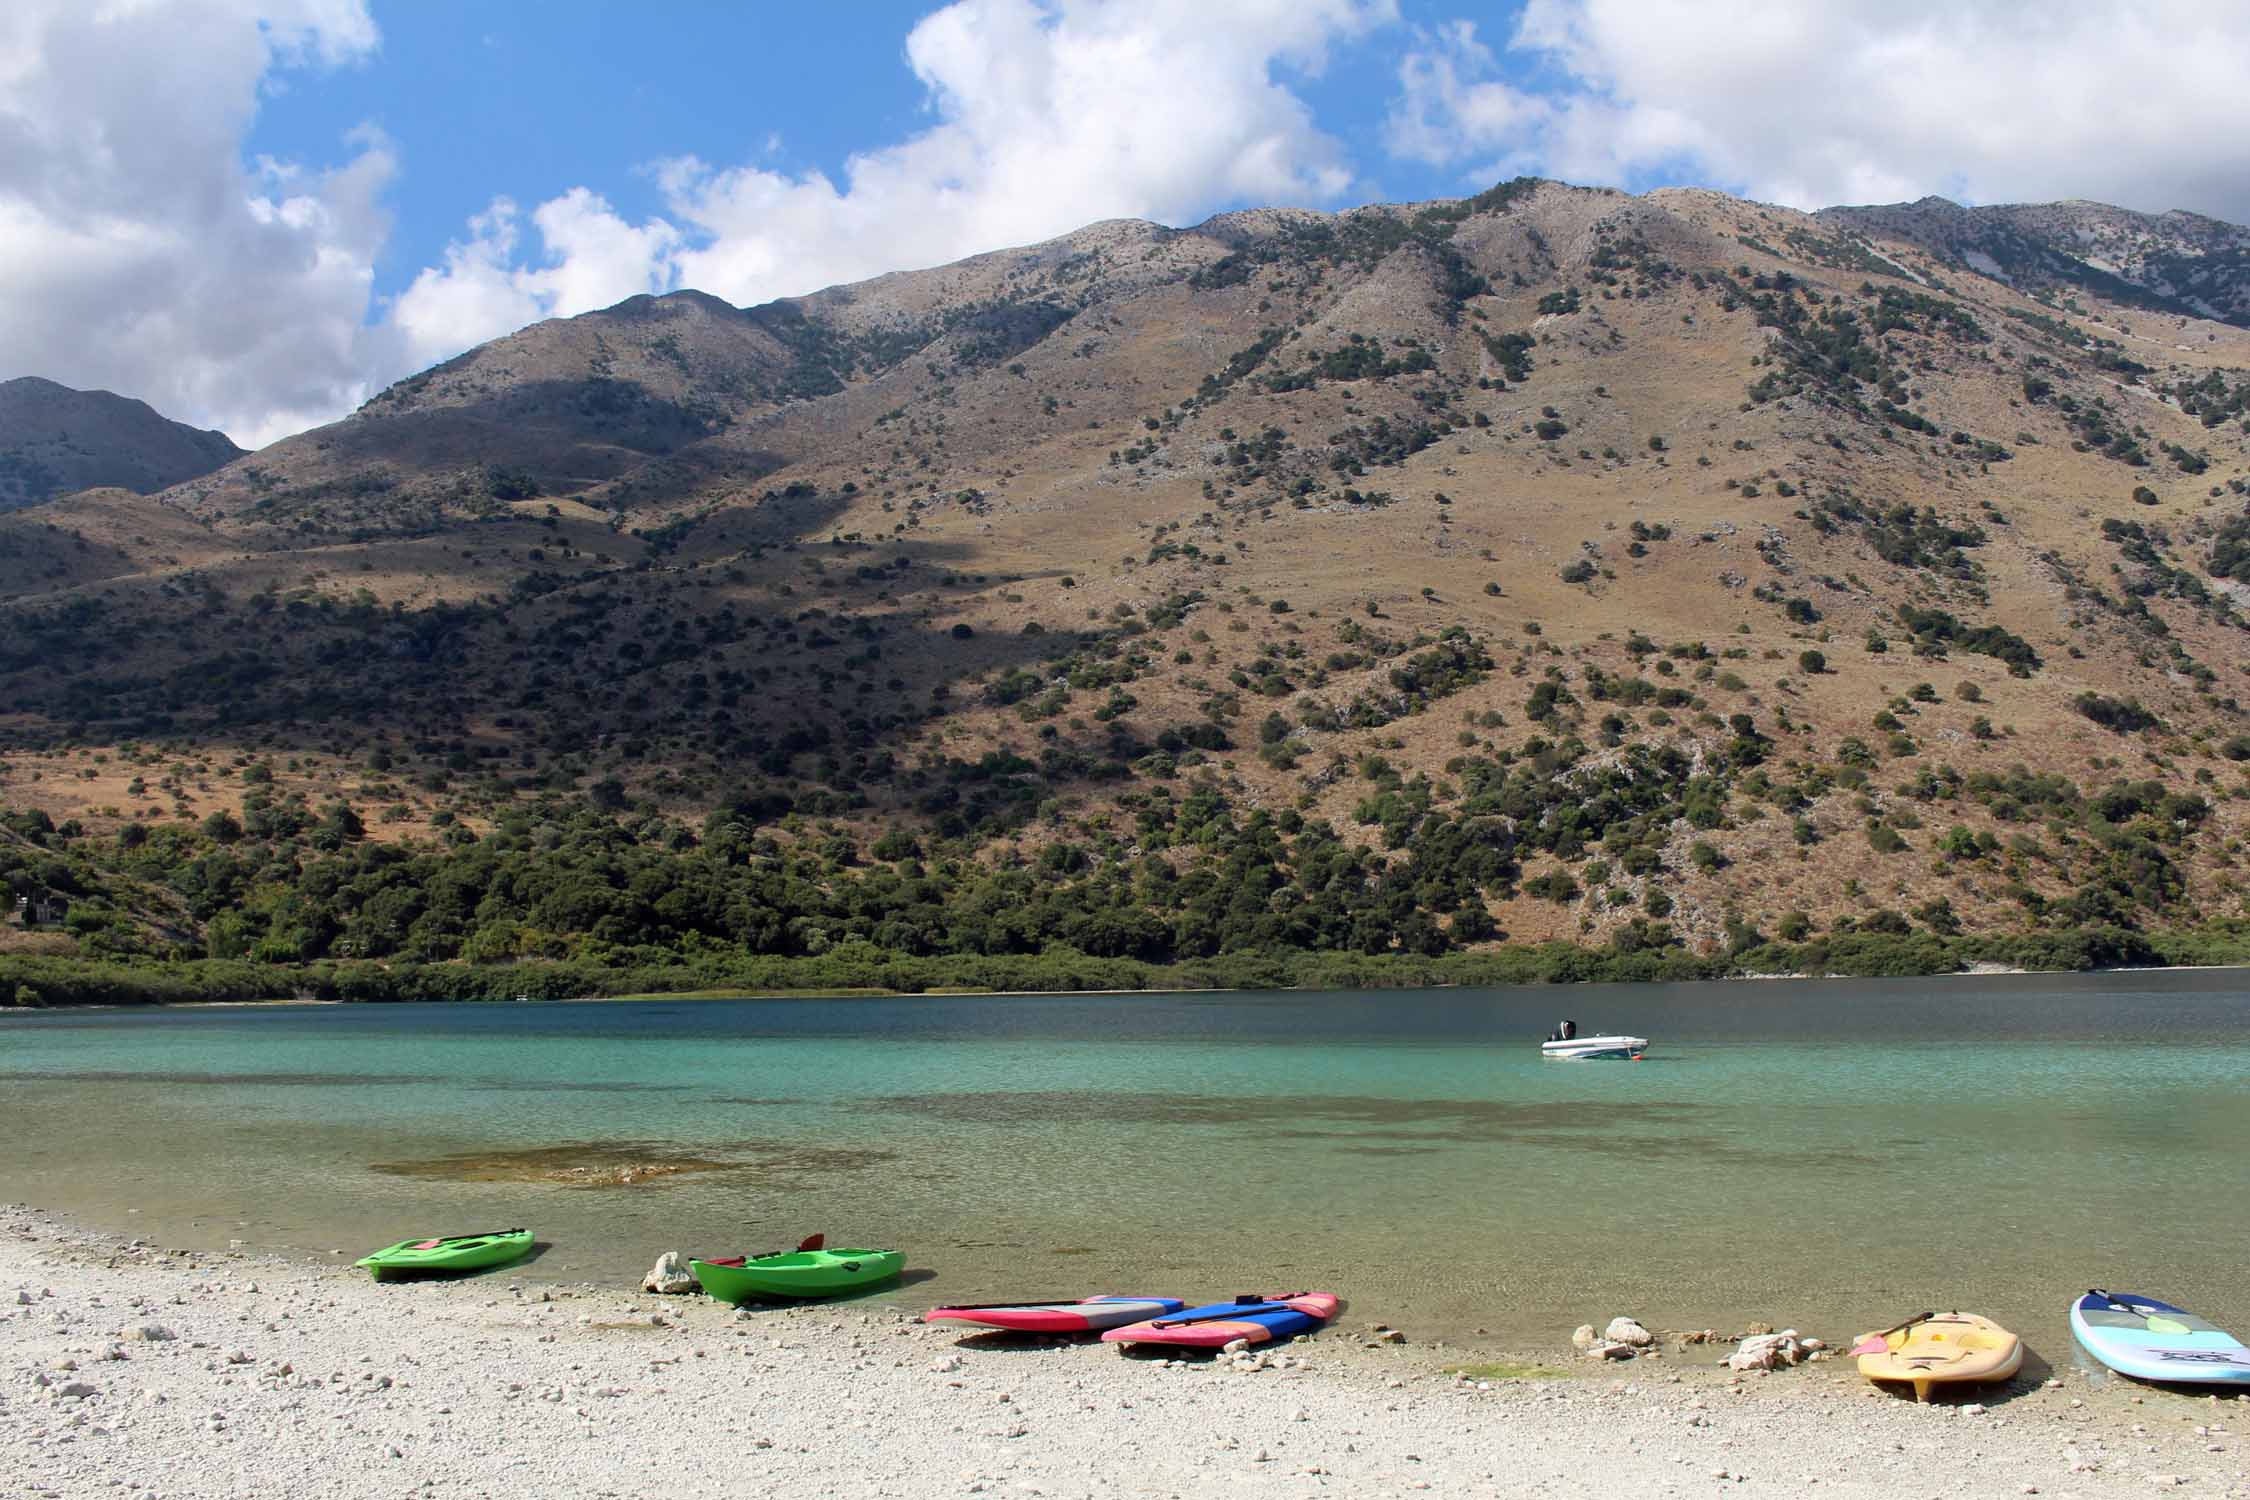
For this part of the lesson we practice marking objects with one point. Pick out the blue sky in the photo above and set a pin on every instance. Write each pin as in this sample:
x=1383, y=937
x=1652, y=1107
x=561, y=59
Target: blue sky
x=487, y=101
x=256, y=213
x=526, y=102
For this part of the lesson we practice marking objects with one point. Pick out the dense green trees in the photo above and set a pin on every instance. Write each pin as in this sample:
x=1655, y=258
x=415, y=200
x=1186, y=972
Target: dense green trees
x=990, y=882
x=1641, y=953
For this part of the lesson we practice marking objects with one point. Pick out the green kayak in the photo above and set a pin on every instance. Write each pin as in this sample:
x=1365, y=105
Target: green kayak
x=800, y=1273
x=449, y=1252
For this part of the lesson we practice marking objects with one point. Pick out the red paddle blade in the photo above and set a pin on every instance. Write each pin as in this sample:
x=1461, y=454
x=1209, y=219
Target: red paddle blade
x=813, y=1242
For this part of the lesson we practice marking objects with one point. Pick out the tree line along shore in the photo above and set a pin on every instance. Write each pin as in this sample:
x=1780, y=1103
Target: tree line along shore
x=564, y=898
x=865, y=968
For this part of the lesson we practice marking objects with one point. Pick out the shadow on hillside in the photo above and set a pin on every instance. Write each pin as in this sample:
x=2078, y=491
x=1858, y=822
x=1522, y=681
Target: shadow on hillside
x=388, y=468
x=749, y=640
x=590, y=425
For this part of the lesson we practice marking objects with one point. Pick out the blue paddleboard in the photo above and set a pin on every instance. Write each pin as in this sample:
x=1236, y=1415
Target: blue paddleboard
x=1214, y=1325
x=2151, y=1340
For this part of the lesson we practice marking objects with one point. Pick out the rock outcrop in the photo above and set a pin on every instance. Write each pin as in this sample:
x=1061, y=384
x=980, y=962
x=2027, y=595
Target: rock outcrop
x=670, y=1276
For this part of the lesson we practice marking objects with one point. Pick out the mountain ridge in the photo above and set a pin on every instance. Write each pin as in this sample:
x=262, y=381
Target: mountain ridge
x=55, y=440
x=1557, y=562
x=2177, y=262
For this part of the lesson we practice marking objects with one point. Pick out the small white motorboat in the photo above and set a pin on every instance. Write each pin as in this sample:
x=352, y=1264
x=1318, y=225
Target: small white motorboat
x=1565, y=1042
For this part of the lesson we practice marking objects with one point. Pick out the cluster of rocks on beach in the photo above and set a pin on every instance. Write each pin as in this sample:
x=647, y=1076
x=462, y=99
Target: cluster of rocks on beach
x=131, y=1370
x=1756, y=1348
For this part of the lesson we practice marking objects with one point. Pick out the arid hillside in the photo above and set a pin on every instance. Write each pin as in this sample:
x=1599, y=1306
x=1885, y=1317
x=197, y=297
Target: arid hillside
x=1659, y=572
x=54, y=440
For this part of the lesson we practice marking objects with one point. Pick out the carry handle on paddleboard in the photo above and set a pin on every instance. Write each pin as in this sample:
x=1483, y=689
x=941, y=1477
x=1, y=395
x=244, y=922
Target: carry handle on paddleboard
x=1247, y=1303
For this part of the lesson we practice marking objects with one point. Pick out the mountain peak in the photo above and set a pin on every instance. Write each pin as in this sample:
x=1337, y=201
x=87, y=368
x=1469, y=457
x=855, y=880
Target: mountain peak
x=55, y=439
x=1651, y=569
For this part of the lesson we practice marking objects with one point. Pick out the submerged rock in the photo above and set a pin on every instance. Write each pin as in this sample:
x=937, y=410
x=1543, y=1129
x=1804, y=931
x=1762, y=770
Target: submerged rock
x=633, y=1163
x=1767, y=1351
x=1626, y=1331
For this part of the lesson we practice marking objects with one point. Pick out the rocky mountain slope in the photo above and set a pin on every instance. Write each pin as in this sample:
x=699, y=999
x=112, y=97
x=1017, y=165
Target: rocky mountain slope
x=1657, y=572
x=2179, y=263
x=54, y=440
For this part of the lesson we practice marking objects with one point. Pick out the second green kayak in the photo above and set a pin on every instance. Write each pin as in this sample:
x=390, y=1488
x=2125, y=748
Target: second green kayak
x=454, y=1252
x=800, y=1273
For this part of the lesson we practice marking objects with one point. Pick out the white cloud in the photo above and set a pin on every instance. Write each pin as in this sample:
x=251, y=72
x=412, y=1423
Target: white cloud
x=591, y=258
x=1047, y=116
x=138, y=250
x=2137, y=102
x=139, y=253
x=1451, y=104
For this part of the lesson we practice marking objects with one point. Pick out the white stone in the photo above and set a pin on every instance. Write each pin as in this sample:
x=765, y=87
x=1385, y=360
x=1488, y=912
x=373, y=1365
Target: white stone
x=1626, y=1331
x=1585, y=1337
x=149, y=1333
x=1765, y=1351
x=669, y=1277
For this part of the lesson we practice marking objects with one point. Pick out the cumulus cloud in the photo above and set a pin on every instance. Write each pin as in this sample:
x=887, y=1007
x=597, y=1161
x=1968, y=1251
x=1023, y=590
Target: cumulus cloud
x=139, y=252
x=2136, y=102
x=1047, y=116
x=590, y=258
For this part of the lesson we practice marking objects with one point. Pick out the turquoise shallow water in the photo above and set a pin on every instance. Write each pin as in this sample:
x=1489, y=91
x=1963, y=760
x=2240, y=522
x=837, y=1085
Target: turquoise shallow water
x=1833, y=1155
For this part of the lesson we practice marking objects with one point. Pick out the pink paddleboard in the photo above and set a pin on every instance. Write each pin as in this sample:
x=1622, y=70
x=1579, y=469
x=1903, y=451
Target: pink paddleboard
x=1256, y=1321
x=1084, y=1316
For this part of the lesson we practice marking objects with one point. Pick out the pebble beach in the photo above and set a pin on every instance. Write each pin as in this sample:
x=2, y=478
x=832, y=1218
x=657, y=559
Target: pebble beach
x=130, y=1369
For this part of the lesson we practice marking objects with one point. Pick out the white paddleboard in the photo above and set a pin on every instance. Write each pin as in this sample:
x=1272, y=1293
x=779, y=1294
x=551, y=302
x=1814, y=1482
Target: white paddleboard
x=2151, y=1340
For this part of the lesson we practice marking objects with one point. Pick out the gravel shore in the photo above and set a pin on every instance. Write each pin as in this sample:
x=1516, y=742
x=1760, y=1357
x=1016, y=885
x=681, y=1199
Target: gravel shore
x=131, y=1370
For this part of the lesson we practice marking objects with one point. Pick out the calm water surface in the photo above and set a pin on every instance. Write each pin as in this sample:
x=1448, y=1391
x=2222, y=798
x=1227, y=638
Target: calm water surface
x=1834, y=1155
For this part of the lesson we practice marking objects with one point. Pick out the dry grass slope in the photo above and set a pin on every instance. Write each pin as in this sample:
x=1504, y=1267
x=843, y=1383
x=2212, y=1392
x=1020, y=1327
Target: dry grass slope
x=1678, y=466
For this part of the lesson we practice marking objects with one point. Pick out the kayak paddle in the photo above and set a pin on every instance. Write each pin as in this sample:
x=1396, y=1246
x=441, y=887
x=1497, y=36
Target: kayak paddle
x=1874, y=1342
x=810, y=1242
x=1240, y=1307
x=450, y=1239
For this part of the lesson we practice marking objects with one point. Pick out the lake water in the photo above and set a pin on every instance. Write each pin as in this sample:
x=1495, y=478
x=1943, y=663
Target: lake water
x=1834, y=1155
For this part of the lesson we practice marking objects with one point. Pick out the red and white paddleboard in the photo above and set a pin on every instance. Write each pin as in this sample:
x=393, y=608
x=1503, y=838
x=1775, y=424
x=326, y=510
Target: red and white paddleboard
x=1254, y=1320
x=1088, y=1315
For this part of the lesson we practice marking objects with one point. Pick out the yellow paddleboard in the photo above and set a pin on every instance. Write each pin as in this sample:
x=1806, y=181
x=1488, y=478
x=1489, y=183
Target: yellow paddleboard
x=1945, y=1349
